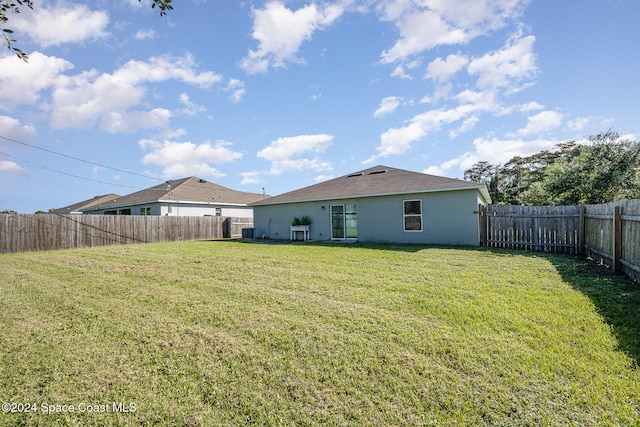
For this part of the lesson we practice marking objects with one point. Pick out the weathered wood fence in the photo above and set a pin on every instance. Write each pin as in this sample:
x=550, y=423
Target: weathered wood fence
x=608, y=233
x=21, y=233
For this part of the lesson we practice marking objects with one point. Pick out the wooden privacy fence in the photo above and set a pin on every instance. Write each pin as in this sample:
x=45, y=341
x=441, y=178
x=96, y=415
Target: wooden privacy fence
x=608, y=233
x=21, y=233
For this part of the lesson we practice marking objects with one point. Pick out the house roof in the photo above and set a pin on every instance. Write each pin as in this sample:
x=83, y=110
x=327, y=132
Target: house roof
x=376, y=181
x=185, y=190
x=85, y=204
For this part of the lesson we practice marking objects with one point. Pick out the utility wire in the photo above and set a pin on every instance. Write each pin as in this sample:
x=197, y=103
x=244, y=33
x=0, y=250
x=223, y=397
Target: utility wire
x=65, y=173
x=83, y=161
x=79, y=159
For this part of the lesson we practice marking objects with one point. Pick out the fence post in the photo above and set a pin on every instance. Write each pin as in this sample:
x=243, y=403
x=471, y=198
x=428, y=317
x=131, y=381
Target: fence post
x=482, y=224
x=617, y=239
x=582, y=231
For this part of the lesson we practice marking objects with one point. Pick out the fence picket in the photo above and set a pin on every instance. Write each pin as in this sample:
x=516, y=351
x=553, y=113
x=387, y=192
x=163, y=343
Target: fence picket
x=608, y=233
x=22, y=233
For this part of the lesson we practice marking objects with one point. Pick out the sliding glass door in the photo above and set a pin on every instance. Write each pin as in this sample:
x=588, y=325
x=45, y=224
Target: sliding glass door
x=344, y=222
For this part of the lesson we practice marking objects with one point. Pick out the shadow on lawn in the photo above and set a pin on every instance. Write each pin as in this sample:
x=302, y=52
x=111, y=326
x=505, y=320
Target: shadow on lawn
x=616, y=298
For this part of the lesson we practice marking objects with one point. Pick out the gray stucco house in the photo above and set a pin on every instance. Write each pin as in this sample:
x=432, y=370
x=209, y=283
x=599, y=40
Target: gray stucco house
x=379, y=204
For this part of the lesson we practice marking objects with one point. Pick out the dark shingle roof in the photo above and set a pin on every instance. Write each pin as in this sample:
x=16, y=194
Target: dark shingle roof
x=185, y=190
x=85, y=204
x=376, y=181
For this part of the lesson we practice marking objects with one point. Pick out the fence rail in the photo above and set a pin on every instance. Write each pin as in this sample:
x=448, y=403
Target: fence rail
x=608, y=233
x=21, y=233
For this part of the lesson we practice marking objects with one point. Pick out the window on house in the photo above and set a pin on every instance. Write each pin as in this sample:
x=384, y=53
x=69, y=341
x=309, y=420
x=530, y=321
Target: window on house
x=218, y=211
x=145, y=211
x=413, y=215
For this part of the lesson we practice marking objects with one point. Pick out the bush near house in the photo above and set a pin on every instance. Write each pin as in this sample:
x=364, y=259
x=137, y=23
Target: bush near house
x=231, y=333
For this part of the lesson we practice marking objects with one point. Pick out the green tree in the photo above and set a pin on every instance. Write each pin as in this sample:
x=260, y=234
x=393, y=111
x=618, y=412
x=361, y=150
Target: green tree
x=8, y=7
x=604, y=170
x=520, y=174
x=508, y=182
x=488, y=174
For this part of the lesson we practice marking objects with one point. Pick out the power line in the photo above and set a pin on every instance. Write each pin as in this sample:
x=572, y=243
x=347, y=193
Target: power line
x=79, y=159
x=65, y=173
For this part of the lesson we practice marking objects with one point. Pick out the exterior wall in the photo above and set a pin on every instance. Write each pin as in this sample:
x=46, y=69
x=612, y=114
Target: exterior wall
x=183, y=209
x=274, y=221
x=447, y=218
x=200, y=210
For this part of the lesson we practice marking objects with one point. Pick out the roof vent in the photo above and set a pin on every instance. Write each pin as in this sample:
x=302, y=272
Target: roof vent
x=201, y=180
x=355, y=174
x=377, y=172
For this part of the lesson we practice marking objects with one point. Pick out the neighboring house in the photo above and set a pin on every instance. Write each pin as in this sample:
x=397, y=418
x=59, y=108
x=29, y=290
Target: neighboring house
x=181, y=197
x=77, y=208
x=379, y=204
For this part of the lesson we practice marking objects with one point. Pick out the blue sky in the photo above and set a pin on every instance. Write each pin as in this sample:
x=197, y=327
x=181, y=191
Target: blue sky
x=283, y=94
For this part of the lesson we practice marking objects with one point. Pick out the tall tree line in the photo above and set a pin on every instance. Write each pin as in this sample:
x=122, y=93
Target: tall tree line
x=605, y=169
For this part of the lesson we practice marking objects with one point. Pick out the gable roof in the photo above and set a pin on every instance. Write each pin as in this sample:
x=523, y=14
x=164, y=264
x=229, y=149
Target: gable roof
x=376, y=181
x=85, y=204
x=185, y=190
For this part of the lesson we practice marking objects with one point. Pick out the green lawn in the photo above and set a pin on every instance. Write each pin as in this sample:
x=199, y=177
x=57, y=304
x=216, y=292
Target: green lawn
x=234, y=333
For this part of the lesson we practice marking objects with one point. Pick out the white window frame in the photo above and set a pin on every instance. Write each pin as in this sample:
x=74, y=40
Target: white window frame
x=405, y=216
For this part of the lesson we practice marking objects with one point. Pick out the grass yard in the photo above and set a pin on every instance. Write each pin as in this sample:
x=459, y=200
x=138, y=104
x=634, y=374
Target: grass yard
x=234, y=333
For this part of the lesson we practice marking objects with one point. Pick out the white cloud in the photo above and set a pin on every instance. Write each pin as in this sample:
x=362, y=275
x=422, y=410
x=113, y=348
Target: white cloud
x=12, y=168
x=443, y=169
x=13, y=129
x=108, y=99
x=579, y=123
x=145, y=34
x=61, y=23
x=531, y=106
x=399, y=72
x=542, y=122
x=495, y=151
x=322, y=178
x=506, y=67
x=252, y=177
x=387, y=106
x=425, y=25
x=22, y=83
x=396, y=141
x=442, y=70
x=191, y=108
x=187, y=158
x=166, y=67
x=286, y=154
x=281, y=31
x=467, y=125
x=132, y=121
x=237, y=90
